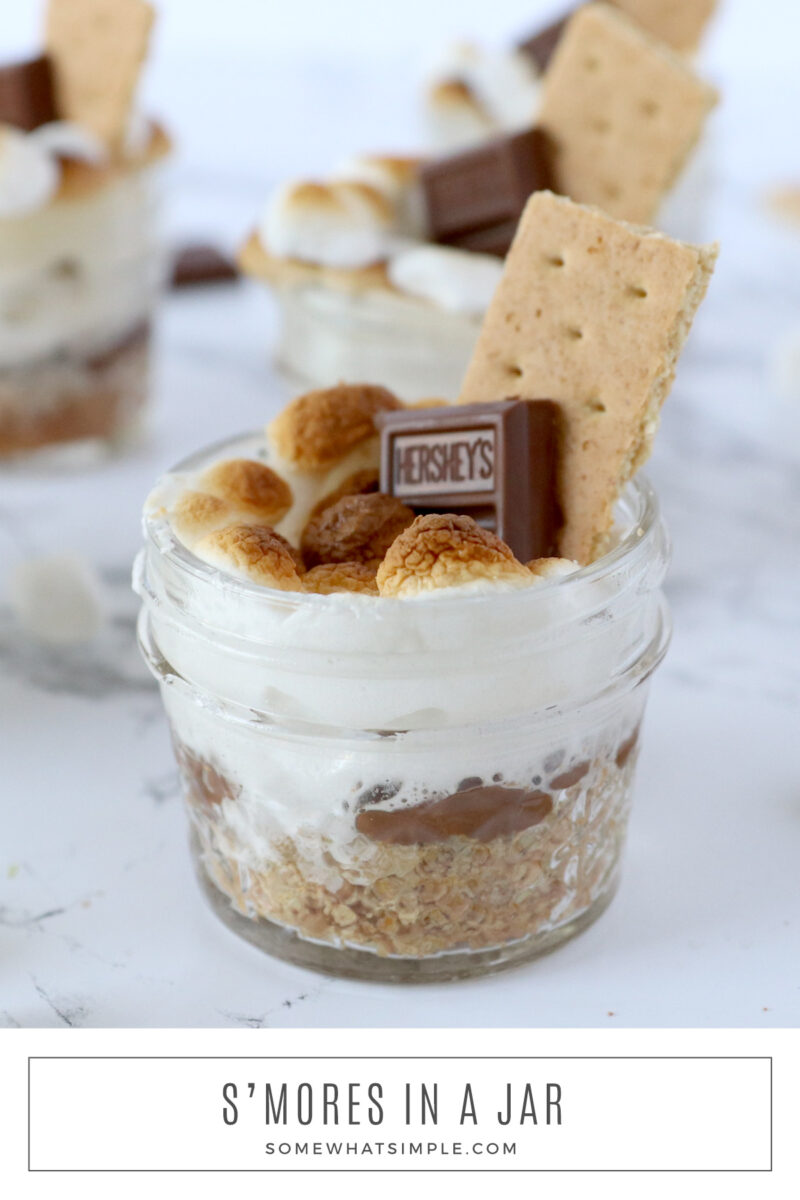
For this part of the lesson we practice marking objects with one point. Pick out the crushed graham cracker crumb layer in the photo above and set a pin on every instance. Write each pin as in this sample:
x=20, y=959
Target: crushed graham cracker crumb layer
x=65, y=400
x=511, y=897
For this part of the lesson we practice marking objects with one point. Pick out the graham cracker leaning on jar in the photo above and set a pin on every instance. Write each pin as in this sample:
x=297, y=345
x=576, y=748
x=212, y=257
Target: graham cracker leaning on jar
x=622, y=112
x=98, y=48
x=679, y=23
x=592, y=313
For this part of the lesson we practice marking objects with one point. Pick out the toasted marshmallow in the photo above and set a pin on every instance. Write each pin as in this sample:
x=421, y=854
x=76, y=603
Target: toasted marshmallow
x=456, y=280
x=256, y=491
x=344, y=223
x=319, y=428
x=480, y=92
x=328, y=578
x=444, y=551
x=66, y=139
x=253, y=552
x=455, y=116
x=29, y=176
x=355, y=529
x=553, y=568
x=359, y=483
x=197, y=513
x=399, y=180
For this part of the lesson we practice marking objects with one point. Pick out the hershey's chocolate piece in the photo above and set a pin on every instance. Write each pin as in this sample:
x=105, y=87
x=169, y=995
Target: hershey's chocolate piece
x=496, y=463
x=27, y=96
x=496, y=239
x=540, y=47
x=200, y=264
x=481, y=813
x=485, y=186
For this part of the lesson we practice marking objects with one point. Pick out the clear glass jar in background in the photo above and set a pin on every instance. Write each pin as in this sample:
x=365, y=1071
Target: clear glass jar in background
x=79, y=282
x=417, y=349
x=404, y=791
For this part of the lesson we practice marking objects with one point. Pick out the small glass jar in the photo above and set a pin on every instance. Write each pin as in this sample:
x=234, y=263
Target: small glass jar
x=415, y=348
x=79, y=280
x=407, y=790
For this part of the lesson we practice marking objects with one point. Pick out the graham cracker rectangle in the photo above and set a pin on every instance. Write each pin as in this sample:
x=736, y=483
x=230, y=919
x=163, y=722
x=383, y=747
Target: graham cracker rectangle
x=98, y=48
x=679, y=23
x=592, y=313
x=622, y=112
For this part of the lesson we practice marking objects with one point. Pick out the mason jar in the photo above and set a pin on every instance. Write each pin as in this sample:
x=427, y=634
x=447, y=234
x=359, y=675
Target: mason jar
x=79, y=280
x=399, y=790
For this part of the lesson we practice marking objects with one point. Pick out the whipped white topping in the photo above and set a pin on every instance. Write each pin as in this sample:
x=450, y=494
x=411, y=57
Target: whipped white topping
x=456, y=280
x=338, y=224
x=29, y=175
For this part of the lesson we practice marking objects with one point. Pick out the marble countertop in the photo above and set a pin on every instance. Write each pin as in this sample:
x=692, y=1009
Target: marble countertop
x=101, y=923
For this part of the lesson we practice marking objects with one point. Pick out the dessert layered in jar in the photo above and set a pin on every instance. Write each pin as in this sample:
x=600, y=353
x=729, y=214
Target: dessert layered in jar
x=385, y=269
x=80, y=257
x=404, y=650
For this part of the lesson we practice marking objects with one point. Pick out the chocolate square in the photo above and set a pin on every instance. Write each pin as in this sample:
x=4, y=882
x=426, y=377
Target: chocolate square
x=27, y=96
x=486, y=186
x=495, y=462
x=542, y=45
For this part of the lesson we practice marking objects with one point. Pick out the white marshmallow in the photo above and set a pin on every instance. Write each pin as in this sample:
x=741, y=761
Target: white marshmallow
x=339, y=224
x=29, y=176
x=401, y=187
x=504, y=96
x=456, y=280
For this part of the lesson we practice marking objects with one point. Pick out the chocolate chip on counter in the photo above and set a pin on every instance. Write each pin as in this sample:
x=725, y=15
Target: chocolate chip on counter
x=196, y=265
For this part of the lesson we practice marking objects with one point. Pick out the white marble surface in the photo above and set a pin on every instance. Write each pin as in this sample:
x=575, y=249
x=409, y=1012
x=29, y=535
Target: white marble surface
x=101, y=923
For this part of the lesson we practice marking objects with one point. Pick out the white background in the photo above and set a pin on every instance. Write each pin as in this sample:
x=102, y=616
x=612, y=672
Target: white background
x=101, y=923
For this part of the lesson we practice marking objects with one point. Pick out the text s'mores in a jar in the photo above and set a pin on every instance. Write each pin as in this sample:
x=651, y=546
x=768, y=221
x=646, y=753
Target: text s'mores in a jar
x=404, y=650
x=80, y=259
x=385, y=270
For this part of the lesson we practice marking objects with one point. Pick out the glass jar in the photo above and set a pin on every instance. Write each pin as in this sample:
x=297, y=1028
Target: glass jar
x=407, y=790
x=415, y=348
x=79, y=281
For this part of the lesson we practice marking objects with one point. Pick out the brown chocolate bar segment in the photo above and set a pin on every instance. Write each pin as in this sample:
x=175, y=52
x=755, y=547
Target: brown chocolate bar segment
x=495, y=462
x=541, y=46
x=496, y=239
x=201, y=264
x=27, y=98
x=485, y=186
